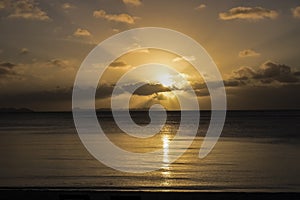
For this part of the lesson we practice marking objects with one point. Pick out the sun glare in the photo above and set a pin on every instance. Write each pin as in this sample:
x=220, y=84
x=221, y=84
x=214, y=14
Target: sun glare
x=169, y=95
x=165, y=79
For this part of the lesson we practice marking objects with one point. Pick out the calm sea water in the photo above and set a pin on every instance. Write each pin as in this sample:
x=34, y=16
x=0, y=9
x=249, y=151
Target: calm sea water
x=257, y=151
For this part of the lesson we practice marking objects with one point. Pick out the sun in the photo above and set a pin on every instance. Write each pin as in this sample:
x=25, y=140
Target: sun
x=165, y=79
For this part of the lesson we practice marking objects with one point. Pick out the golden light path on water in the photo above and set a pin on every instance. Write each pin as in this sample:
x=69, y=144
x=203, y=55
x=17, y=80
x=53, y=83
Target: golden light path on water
x=165, y=140
x=166, y=173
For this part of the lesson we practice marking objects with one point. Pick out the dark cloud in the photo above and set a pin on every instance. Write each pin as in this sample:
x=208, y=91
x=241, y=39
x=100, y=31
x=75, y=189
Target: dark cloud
x=297, y=73
x=244, y=73
x=201, y=89
x=4, y=71
x=56, y=99
x=59, y=95
x=53, y=96
x=147, y=89
x=6, y=68
x=59, y=62
x=231, y=83
x=39, y=99
x=198, y=85
x=249, y=13
x=268, y=72
x=104, y=91
x=247, y=97
x=7, y=65
x=270, y=69
x=118, y=64
x=202, y=92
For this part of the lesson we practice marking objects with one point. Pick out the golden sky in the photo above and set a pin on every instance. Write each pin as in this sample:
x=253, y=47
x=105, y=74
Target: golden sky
x=253, y=43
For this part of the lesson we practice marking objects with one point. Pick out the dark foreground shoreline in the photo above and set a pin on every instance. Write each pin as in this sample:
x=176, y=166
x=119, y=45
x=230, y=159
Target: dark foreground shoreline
x=70, y=194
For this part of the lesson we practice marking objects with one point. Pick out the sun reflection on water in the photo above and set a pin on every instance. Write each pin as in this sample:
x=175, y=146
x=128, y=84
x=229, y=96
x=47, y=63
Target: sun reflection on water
x=166, y=172
x=165, y=140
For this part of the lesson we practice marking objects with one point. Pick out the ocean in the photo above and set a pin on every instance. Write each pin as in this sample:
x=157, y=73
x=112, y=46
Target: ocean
x=257, y=151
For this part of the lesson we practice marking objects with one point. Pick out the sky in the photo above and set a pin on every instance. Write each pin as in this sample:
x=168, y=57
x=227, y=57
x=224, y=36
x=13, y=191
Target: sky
x=255, y=45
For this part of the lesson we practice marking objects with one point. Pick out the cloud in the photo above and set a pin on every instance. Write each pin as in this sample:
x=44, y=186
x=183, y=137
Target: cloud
x=67, y=6
x=160, y=97
x=80, y=32
x=231, y=83
x=6, y=68
x=201, y=89
x=36, y=99
x=200, y=7
x=248, y=53
x=149, y=89
x=27, y=9
x=104, y=90
x=56, y=98
x=118, y=64
x=59, y=62
x=248, y=13
x=248, y=97
x=24, y=51
x=183, y=58
x=146, y=89
x=36, y=76
x=267, y=73
x=281, y=73
x=2, y=4
x=123, y=17
x=7, y=65
x=297, y=73
x=296, y=12
x=4, y=71
x=144, y=50
x=49, y=97
x=132, y=2
x=198, y=85
x=202, y=92
x=244, y=73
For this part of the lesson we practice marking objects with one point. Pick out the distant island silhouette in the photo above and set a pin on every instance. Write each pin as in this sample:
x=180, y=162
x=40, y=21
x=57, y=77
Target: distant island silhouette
x=15, y=110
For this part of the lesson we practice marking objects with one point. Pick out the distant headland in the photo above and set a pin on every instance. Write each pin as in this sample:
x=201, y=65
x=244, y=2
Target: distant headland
x=15, y=110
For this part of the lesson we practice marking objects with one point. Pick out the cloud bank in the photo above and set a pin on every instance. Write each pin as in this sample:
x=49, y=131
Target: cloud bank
x=267, y=73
